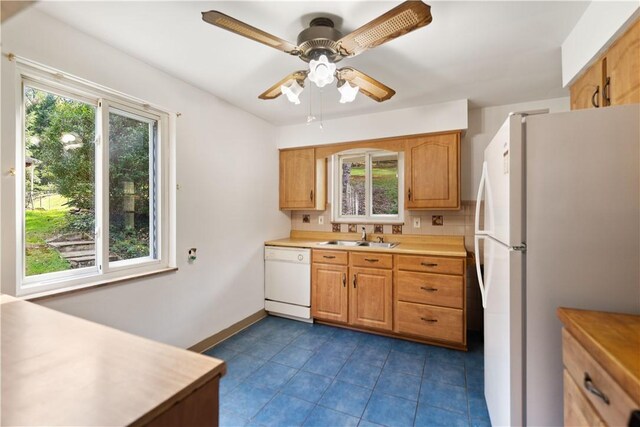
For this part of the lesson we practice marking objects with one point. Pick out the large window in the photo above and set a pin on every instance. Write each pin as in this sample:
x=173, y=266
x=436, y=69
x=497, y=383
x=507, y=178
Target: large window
x=367, y=187
x=94, y=185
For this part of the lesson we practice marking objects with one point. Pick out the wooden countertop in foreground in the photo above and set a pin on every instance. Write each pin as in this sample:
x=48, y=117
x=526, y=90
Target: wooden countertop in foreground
x=61, y=370
x=452, y=246
x=612, y=339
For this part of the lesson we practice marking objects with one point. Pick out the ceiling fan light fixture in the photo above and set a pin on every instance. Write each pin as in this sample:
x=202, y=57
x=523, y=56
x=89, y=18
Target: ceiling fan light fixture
x=347, y=92
x=293, y=91
x=321, y=71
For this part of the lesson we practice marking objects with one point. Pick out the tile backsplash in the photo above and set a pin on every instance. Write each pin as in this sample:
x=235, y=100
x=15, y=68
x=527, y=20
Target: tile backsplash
x=453, y=223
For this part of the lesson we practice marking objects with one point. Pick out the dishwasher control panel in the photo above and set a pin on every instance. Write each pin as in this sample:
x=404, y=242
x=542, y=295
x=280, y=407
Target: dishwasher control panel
x=295, y=255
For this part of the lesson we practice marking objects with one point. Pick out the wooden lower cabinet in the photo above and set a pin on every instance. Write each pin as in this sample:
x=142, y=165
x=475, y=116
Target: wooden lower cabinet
x=329, y=292
x=421, y=298
x=429, y=321
x=371, y=298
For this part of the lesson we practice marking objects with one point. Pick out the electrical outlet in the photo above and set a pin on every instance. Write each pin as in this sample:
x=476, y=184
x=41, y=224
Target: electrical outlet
x=320, y=220
x=416, y=222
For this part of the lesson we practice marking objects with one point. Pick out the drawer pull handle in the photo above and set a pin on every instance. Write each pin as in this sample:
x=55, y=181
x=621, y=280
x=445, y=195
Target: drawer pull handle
x=328, y=256
x=429, y=289
x=429, y=264
x=371, y=259
x=429, y=320
x=344, y=280
x=588, y=384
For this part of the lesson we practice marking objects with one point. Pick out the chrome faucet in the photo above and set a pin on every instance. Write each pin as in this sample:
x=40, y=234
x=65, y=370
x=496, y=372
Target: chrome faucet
x=364, y=235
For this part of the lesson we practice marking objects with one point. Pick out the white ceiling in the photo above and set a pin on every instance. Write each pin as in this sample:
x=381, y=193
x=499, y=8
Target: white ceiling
x=492, y=53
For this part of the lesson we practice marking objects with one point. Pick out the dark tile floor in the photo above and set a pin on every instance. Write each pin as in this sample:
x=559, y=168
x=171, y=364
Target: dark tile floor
x=287, y=373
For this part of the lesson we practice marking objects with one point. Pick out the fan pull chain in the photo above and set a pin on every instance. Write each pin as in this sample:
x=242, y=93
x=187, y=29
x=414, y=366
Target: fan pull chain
x=310, y=117
x=321, y=121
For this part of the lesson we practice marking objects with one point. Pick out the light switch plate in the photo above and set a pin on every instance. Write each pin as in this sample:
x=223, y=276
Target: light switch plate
x=416, y=222
x=320, y=220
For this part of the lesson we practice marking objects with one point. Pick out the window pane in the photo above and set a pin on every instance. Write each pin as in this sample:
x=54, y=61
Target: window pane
x=384, y=184
x=59, y=182
x=352, y=185
x=131, y=223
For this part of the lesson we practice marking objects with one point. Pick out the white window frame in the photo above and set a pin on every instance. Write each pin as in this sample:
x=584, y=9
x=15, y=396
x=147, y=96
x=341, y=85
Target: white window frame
x=369, y=217
x=105, y=100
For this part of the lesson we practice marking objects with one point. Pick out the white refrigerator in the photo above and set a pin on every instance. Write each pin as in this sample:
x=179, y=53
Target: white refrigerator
x=558, y=224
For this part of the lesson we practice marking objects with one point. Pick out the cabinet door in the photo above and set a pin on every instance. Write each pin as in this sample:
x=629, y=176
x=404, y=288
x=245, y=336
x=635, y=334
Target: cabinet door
x=432, y=172
x=623, y=68
x=370, y=299
x=329, y=292
x=583, y=91
x=297, y=178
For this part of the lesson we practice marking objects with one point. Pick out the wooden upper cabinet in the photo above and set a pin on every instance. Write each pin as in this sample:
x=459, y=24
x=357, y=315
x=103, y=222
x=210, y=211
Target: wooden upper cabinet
x=302, y=180
x=615, y=78
x=586, y=92
x=432, y=172
x=623, y=68
x=371, y=298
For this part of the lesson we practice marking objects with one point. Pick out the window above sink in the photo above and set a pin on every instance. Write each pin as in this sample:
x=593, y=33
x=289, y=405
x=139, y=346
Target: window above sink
x=368, y=186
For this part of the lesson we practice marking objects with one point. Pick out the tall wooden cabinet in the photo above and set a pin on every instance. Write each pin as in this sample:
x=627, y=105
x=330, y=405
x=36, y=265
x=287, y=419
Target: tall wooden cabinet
x=432, y=172
x=614, y=79
x=302, y=180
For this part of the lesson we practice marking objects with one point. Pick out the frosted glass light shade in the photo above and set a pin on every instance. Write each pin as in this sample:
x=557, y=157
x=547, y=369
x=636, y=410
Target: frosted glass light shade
x=321, y=71
x=293, y=91
x=347, y=92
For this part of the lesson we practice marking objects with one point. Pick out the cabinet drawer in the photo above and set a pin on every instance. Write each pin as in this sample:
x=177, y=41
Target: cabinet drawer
x=429, y=288
x=429, y=321
x=581, y=366
x=371, y=260
x=431, y=264
x=577, y=409
x=330, y=257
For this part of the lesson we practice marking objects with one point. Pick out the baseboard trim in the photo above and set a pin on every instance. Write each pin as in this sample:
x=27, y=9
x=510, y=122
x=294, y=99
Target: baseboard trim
x=214, y=339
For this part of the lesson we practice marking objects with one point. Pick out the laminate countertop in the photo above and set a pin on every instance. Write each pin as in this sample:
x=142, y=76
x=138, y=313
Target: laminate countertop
x=612, y=339
x=62, y=370
x=449, y=246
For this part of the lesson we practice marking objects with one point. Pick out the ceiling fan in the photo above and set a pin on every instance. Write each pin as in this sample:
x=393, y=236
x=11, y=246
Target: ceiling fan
x=322, y=46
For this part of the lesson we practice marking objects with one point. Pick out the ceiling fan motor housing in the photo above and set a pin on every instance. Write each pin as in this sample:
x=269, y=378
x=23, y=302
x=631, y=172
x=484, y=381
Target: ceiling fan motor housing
x=319, y=39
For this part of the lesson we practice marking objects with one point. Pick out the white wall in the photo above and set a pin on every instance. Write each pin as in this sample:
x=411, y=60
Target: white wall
x=601, y=23
x=483, y=125
x=227, y=205
x=408, y=121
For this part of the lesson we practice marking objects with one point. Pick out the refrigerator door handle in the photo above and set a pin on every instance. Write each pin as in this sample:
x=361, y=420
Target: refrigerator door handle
x=484, y=185
x=483, y=290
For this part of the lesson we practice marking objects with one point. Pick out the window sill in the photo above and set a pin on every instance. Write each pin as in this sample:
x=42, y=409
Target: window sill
x=368, y=221
x=99, y=283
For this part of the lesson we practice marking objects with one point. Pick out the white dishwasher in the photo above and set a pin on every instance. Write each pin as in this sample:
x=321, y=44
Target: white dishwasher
x=287, y=282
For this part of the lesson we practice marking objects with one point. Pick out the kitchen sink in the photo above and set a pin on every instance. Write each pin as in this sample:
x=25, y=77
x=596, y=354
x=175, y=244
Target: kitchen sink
x=387, y=245
x=342, y=243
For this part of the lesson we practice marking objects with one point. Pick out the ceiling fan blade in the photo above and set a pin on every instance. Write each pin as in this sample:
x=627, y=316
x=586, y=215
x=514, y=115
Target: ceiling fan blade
x=368, y=85
x=228, y=23
x=397, y=22
x=274, y=91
